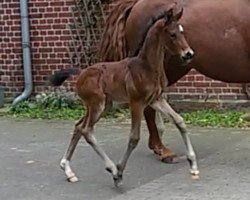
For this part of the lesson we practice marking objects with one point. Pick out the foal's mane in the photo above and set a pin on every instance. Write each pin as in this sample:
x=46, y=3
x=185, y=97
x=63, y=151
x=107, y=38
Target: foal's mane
x=151, y=22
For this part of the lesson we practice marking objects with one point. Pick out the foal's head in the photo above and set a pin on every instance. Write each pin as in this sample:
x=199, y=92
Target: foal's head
x=172, y=35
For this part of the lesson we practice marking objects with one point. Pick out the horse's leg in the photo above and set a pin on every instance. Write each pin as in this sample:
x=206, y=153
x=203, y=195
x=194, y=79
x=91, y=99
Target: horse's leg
x=155, y=143
x=159, y=124
x=95, y=111
x=65, y=162
x=162, y=106
x=136, y=110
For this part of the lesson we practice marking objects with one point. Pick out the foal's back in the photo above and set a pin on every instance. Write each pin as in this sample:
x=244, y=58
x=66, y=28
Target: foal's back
x=117, y=81
x=106, y=79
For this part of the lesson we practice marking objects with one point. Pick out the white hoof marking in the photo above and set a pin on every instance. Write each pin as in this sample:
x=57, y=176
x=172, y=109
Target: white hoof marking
x=73, y=179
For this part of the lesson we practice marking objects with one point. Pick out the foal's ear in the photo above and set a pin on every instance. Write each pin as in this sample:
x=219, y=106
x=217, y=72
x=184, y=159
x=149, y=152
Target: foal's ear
x=170, y=14
x=179, y=14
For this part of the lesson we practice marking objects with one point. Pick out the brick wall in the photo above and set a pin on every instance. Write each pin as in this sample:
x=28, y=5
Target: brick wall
x=195, y=86
x=49, y=40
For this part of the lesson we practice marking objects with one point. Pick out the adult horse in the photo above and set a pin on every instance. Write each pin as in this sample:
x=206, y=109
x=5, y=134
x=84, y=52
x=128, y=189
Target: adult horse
x=218, y=31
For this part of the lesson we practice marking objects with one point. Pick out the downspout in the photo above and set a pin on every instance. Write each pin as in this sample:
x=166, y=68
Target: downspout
x=26, y=53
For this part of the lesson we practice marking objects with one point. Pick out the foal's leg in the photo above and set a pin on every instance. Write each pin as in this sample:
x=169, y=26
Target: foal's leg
x=136, y=110
x=162, y=106
x=95, y=111
x=65, y=162
x=160, y=124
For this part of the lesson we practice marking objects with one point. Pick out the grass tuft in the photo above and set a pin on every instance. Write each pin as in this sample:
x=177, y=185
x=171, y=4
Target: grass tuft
x=215, y=118
x=58, y=109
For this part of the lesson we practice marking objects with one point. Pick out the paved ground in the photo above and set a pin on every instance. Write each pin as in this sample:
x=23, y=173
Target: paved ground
x=30, y=152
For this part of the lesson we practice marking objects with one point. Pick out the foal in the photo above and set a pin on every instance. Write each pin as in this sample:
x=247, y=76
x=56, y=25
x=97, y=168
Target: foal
x=138, y=81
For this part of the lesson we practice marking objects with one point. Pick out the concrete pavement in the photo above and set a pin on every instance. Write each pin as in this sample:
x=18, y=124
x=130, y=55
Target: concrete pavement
x=30, y=151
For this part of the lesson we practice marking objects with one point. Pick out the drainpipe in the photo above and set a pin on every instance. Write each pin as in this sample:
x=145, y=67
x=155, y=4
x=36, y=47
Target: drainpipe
x=26, y=53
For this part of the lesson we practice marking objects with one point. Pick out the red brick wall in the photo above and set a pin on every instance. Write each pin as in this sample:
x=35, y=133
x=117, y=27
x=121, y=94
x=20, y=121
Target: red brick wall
x=49, y=40
x=196, y=86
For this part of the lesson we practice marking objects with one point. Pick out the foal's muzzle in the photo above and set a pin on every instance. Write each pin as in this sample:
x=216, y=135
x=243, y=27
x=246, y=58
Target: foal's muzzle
x=187, y=55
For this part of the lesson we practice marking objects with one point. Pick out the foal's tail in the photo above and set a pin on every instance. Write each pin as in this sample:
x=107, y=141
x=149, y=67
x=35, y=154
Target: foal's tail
x=113, y=43
x=59, y=77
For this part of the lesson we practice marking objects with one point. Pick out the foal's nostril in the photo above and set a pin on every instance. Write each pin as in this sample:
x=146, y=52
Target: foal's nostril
x=189, y=55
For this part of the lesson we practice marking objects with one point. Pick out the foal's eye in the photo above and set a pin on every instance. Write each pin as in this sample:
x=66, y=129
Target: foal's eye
x=172, y=35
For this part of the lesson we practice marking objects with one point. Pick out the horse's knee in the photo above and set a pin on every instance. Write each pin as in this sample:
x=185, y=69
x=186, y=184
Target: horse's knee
x=89, y=138
x=77, y=133
x=133, y=141
x=191, y=156
x=179, y=121
x=78, y=126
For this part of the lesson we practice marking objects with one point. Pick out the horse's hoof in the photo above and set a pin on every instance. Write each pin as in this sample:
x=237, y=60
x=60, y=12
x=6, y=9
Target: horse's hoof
x=73, y=179
x=118, y=180
x=195, y=177
x=166, y=155
x=170, y=159
x=118, y=183
x=195, y=174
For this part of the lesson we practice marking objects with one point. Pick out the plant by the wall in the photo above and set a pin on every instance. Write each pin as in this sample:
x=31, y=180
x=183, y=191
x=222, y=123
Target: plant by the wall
x=86, y=29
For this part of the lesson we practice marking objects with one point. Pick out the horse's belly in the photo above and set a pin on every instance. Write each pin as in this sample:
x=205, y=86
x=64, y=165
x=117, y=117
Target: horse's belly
x=223, y=59
x=227, y=73
x=220, y=37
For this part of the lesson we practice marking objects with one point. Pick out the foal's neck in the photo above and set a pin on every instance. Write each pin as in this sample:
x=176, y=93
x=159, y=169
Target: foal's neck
x=152, y=54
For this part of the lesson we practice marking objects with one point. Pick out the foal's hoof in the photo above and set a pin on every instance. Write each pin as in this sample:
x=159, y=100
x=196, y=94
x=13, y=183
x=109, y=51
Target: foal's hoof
x=170, y=159
x=73, y=179
x=195, y=174
x=118, y=180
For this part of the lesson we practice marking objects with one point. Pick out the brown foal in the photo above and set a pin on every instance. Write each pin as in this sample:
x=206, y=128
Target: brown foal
x=138, y=81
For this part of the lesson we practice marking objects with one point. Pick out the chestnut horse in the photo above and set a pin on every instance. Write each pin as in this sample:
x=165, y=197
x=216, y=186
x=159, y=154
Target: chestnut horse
x=138, y=81
x=217, y=30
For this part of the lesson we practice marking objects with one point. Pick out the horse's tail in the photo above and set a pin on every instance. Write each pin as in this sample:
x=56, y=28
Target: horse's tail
x=59, y=77
x=113, y=43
